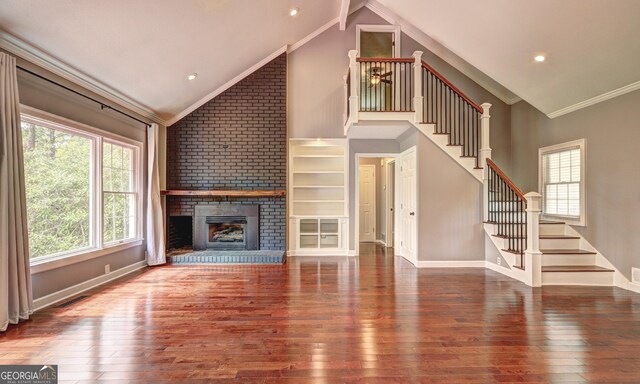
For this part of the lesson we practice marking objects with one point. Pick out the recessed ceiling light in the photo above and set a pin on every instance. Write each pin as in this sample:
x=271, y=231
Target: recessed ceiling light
x=294, y=11
x=539, y=58
x=192, y=76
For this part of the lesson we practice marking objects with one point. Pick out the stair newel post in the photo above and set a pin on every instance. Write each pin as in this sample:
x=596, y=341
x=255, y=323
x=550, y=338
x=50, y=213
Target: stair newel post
x=354, y=72
x=485, y=134
x=533, y=256
x=346, y=98
x=418, y=97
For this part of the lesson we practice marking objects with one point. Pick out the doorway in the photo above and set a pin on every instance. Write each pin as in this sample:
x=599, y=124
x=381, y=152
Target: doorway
x=375, y=200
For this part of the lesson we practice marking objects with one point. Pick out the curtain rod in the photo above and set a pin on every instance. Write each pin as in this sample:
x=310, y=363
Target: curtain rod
x=102, y=105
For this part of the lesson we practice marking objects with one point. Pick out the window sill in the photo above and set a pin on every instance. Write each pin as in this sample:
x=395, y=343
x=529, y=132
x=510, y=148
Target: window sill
x=39, y=266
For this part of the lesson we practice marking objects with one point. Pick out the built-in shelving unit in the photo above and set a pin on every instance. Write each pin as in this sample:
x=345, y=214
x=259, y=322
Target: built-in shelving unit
x=318, y=196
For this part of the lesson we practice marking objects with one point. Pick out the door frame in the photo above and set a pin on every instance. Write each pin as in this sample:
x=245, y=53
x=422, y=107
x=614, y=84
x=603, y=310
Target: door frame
x=375, y=200
x=390, y=203
x=399, y=251
x=395, y=29
x=356, y=219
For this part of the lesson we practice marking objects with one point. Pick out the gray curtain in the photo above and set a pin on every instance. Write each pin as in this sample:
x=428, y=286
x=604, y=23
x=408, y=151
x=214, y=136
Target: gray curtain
x=16, y=300
x=155, y=228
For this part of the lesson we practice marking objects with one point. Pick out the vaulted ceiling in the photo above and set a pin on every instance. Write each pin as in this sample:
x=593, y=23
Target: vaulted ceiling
x=143, y=50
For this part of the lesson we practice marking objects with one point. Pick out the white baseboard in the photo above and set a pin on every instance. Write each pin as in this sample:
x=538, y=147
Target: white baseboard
x=452, y=264
x=66, y=293
x=316, y=252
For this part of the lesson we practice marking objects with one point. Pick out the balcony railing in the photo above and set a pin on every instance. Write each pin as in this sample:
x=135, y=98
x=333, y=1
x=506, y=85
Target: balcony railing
x=411, y=85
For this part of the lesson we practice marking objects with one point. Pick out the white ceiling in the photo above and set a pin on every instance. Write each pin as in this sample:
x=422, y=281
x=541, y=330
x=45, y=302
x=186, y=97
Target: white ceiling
x=593, y=46
x=144, y=49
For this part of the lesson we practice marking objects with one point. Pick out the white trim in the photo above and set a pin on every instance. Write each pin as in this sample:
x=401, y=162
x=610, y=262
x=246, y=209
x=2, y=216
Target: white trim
x=389, y=202
x=66, y=293
x=344, y=12
x=304, y=252
x=39, y=266
x=45, y=61
x=451, y=264
x=395, y=29
x=356, y=159
x=595, y=100
x=582, y=145
x=97, y=247
x=226, y=85
x=444, y=53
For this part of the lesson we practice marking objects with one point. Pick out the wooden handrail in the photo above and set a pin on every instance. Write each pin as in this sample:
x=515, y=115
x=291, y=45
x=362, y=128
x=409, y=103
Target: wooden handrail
x=453, y=87
x=506, y=179
x=385, y=59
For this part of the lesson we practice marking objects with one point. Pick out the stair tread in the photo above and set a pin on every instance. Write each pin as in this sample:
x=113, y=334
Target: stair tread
x=512, y=251
x=551, y=222
x=575, y=268
x=559, y=237
x=566, y=252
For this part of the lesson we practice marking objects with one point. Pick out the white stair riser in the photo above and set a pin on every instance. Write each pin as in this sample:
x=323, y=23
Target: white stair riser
x=548, y=260
x=577, y=278
x=559, y=243
x=552, y=229
x=504, y=243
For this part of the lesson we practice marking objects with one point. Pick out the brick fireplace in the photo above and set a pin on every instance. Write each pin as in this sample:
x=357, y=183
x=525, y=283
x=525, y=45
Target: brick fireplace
x=236, y=141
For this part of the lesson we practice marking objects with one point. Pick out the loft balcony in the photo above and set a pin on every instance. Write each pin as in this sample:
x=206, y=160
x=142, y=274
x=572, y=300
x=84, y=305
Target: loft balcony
x=386, y=96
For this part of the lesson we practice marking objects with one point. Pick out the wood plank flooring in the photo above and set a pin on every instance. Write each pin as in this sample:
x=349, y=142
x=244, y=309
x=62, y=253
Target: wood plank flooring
x=372, y=319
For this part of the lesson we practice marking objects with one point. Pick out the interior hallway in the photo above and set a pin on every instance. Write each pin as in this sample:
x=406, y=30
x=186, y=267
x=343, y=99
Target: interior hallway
x=370, y=319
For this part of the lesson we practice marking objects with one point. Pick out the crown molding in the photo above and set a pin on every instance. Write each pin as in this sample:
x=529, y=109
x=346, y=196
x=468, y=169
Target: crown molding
x=226, y=85
x=444, y=53
x=595, y=100
x=44, y=60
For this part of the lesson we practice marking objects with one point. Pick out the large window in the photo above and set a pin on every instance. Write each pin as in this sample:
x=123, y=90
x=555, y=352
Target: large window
x=83, y=188
x=562, y=181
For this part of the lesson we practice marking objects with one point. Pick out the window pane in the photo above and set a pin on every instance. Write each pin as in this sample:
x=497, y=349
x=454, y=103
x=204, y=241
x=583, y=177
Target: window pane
x=561, y=177
x=57, y=180
x=119, y=194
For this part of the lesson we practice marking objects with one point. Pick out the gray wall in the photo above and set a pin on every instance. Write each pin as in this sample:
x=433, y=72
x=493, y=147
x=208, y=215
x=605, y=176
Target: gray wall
x=316, y=94
x=41, y=95
x=612, y=173
x=449, y=206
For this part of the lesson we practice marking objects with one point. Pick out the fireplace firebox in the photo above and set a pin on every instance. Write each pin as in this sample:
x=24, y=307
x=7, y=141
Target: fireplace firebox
x=226, y=227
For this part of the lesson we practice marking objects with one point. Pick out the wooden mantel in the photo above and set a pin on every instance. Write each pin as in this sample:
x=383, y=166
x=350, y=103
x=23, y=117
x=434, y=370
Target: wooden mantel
x=226, y=193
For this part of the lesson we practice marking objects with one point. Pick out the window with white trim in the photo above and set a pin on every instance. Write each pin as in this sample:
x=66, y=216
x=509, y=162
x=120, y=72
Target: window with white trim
x=82, y=187
x=562, y=182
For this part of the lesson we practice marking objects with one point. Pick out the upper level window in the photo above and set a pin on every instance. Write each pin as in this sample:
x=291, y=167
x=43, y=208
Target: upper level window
x=82, y=187
x=561, y=177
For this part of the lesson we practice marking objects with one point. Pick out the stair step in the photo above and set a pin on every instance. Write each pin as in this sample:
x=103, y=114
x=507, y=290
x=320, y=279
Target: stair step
x=559, y=237
x=551, y=222
x=507, y=237
x=512, y=251
x=566, y=252
x=575, y=268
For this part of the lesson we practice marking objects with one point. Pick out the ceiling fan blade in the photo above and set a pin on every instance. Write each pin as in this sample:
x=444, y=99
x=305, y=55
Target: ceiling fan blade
x=386, y=81
x=386, y=74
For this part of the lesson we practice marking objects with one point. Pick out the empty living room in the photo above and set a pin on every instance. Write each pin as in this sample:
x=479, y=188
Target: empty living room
x=319, y=191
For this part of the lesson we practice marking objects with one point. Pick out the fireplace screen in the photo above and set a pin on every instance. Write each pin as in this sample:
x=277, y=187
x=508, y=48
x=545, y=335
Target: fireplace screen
x=226, y=232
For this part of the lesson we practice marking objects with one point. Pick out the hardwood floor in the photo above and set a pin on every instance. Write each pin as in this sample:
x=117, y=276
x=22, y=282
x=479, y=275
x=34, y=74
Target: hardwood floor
x=372, y=319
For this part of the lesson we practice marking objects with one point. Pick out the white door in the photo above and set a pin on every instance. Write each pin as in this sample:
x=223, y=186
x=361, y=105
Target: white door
x=391, y=198
x=408, y=205
x=367, y=201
